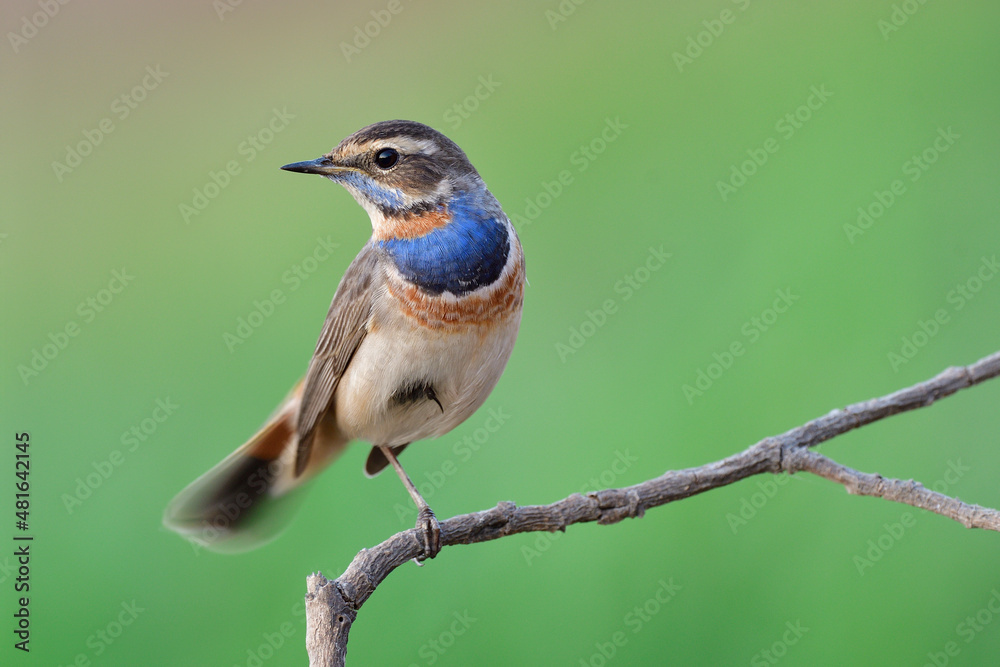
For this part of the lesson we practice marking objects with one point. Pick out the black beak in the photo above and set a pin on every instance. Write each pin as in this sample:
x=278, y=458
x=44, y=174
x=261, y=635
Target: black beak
x=323, y=166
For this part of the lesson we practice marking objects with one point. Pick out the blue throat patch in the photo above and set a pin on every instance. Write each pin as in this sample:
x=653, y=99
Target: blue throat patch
x=467, y=253
x=384, y=198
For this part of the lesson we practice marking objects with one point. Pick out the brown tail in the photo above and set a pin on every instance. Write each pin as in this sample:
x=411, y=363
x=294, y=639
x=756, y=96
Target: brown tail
x=246, y=500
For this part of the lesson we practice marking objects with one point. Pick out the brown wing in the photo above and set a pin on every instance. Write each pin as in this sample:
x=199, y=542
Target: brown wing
x=345, y=327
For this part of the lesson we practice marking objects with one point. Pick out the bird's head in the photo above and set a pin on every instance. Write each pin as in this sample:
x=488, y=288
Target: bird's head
x=397, y=170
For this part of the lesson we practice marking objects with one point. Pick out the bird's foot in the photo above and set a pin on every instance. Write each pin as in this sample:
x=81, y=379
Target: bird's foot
x=428, y=524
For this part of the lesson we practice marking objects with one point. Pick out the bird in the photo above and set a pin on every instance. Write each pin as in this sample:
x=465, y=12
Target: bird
x=418, y=333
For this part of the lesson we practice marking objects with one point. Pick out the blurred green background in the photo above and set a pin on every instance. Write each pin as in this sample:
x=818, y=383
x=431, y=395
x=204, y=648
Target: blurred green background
x=805, y=112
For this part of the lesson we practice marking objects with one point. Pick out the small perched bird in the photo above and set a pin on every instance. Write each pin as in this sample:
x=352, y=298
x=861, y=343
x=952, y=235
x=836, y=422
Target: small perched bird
x=418, y=333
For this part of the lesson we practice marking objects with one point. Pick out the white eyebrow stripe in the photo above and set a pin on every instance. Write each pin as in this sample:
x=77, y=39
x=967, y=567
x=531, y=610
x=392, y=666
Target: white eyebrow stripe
x=407, y=145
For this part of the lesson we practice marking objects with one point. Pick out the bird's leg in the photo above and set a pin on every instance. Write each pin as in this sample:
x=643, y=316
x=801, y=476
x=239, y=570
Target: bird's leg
x=426, y=521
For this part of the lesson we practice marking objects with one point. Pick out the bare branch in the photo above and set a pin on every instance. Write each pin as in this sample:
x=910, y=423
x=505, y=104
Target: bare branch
x=332, y=606
x=907, y=492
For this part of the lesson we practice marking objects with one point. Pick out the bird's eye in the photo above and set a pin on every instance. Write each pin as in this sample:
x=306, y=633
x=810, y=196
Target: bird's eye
x=387, y=158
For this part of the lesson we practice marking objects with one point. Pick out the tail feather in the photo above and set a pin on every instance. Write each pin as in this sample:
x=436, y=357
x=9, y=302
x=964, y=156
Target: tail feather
x=377, y=461
x=248, y=498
